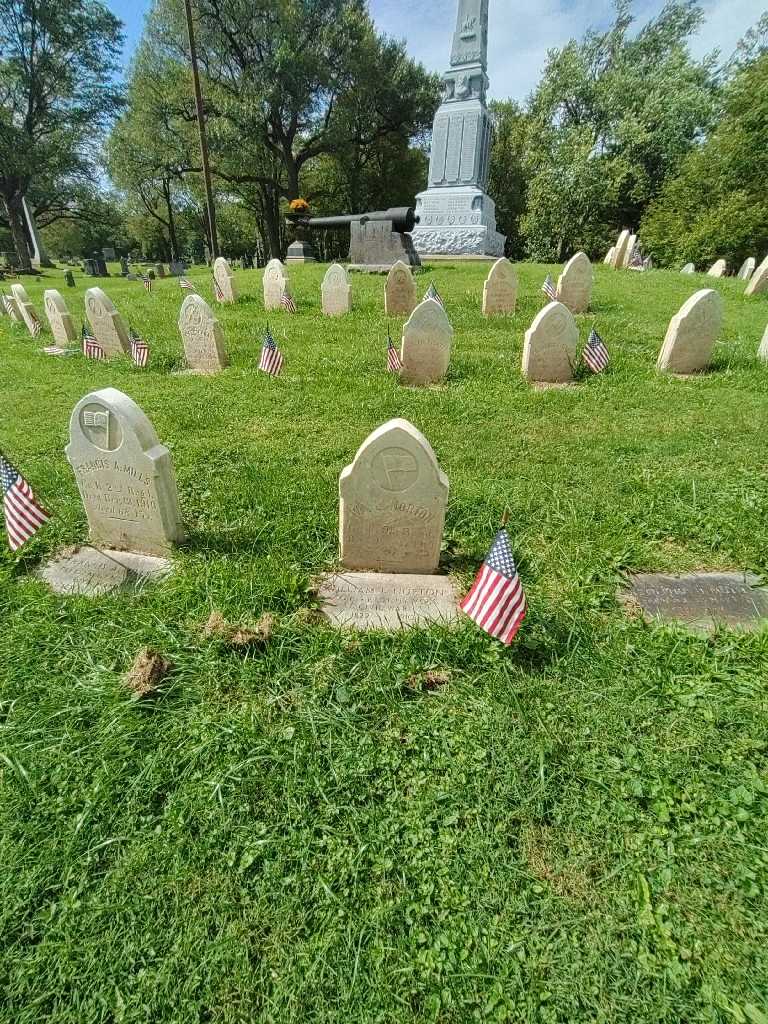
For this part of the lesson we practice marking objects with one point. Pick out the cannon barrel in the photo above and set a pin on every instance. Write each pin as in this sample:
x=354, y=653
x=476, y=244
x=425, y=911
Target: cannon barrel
x=403, y=219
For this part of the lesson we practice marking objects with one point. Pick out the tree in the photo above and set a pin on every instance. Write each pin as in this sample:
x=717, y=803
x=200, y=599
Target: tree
x=57, y=61
x=508, y=178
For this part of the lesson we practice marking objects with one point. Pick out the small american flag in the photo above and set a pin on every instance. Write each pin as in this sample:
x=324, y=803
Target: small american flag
x=139, y=349
x=91, y=348
x=394, y=362
x=7, y=305
x=184, y=282
x=271, y=361
x=549, y=288
x=286, y=301
x=35, y=327
x=433, y=293
x=24, y=515
x=496, y=601
x=147, y=282
x=217, y=290
x=595, y=354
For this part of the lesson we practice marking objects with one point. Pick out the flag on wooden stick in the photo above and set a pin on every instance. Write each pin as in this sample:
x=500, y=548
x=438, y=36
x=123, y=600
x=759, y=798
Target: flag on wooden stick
x=433, y=293
x=35, y=327
x=24, y=515
x=271, y=361
x=217, y=290
x=286, y=301
x=549, y=288
x=147, y=282
x=496, y=601
x=186, y=284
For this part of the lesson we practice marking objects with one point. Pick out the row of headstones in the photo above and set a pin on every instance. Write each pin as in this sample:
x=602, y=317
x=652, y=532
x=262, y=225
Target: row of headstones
x=392, y=496
x=756, y=277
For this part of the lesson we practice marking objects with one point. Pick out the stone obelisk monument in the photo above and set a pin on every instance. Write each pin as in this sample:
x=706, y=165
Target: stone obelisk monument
x=457, y=217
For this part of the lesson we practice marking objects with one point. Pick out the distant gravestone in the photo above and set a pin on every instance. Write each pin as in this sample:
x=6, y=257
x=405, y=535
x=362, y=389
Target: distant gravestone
x=609, y=255
x=747, y=269
x=335, y=291
x=549, y=349
x=426, y=349
x=275, y=282
x=620, y=250
x=762, y=352
x=399, y=291
x=718, y=269
x=392, y=503
x=758, y=283
x=627, y=258
x=125, y=476
x=59, y=317
x=222, y=272
x=689, y=268
x=574, y=286
x=151, y=274
x=108, y=326
x=701, y=600
x=500, y=289
x=178, y=267
x=692, y=334
x=25, y=307
x=69, y=279
x=201, y=334
x=160, y=269
x=124, y=267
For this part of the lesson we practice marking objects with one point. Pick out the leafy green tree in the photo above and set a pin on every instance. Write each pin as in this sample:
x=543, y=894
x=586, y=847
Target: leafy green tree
x=57, y=62
x=508, y=177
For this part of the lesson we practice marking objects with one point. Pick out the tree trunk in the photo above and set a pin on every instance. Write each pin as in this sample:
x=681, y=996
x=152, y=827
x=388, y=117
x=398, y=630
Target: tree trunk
x=15, y=213
x=272, y=221
x=171, y=223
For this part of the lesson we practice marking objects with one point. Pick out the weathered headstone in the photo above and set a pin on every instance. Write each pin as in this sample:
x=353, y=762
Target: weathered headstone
x=500, y=289
x=391, y=601
x=160, y=269
x=225, y=279
x=124, y=266
x=549, y=350
x=201, y=334
x=59, y=317
x=620, y=250
x=631, y=243
x=692, y=333
x=718, y=269
x=178, y=267
x=762, y=352
x=336, y=291
x=758, y=283
x=689, y=268
x=69, y=279
x=275, y=282
x=392, y=503
x=399, y=291
x=701, y=600
x=747, y=269
x=108, y=326
x=124, y=474
x=426, y=349
x=574, y=286
x=93, y=573
x=25, y=307
x=609, y=255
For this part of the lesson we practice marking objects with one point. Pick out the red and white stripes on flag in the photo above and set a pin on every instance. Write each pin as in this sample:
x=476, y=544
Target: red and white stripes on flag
x=595, y=354
x=91, y=348
x=271, y=360
x=186, y=284
x=394, y=363
x=147, y=282
x=217, y=290
x=549, y=288
x=496, y=601
x=139, y=349
x=286, y=301
x=35, y=327
x=433, y=293
x=7, y=305
x=24, y=515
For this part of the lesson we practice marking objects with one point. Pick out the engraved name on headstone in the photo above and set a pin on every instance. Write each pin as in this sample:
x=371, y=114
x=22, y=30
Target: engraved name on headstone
x=701, y=600
x=374, y=600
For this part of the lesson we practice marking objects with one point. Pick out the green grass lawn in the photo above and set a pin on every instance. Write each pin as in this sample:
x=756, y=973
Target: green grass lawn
x=571, y=830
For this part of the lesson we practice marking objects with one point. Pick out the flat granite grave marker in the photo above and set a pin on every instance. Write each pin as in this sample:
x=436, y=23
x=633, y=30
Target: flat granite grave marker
x=202, y=337
x=549, y=350
x=392, y=503
x=426, y=348
x=336, y=291
x=94, y=572
x=758, y=283
x=59, y=317
x=399, y=291
x=692, y=334
x=108, y=326
x=574, y=286
x=25, y=307
x=225, y=279
x=500, y=289
x=371, y=600
x=747, y=269
x=125, y=476
x=275, y=282
x=701, y=600
x=718, y=269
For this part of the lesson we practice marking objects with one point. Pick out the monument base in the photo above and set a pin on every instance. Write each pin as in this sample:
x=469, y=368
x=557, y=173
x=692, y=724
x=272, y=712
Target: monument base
x=459, y=221
x=300, y=251
x=385, y=600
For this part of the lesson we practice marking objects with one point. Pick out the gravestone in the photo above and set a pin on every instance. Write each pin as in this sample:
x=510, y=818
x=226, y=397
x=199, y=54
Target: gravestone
x=124, y=267
x=25, y=306
x=747, y=269
x=125, y=476
x=69, y=279
x=106, y=323
x=225, y=279
x=718, y=269
x=689, y=268
x=500, y=289
x=204, y=348
x=178, y=267
x=701, y=600
x=59, y=317
x=160, y=269
x=691, y=334
x=609, y=255
x=549, y=349
x=627, y=258
x=426, y=348
x=620, y=250
x=399, y=291
x=392, y=503
x=380, y=600
x=13, y=309
x=335, y=291
x=108, y=253
x=92, y=572
x=574, y=286
x=151, y=274
x=275, y=281
x=762, y=352
x=758, y=283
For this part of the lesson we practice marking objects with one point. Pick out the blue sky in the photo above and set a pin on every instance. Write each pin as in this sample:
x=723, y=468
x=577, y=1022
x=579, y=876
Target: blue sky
x=521, y=31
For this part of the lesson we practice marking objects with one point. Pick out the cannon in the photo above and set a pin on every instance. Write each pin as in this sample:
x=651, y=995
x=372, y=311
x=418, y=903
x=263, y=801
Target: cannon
x=376, y=240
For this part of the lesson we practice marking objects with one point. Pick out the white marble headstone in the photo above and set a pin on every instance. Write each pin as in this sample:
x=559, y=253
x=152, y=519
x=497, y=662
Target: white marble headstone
x=59, y=317
x=762, y=352
x=549, y=349
x=758, y=283
x=202, y=337
x=574, y=286
x=25, y=307
x=692, y=333
x=689, y=268
x=392, y=503
x=718, y=269
x=336, y=291
x=124, y=474
x=500, y=289
x=399, y=291
x=426, y=348
x=275, y=281
x=747, y=269
x=609, y=255
x=620, y=250
x=225, y=279
x=106, y=323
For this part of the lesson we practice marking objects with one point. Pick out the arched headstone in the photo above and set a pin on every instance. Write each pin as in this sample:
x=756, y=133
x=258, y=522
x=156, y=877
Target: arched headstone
x=620, y=250
x=201, y=335
x=762, y=352
x=500, y=289
x=689, y=268
x=336, y=291
x=574, y=286
x=399, y=291
x=25, y=307
x=718, y=269
x=106, y=323
x=222, y=272
x=549, y=350
x=747, y=269
x=758, y=283
x=629, y=250
x=125, y=476
x=426, y=349
x=692, y=333
x=69, y=279
x=609, y=255
x=59, y=317
x=392, y=503
x=275, y=281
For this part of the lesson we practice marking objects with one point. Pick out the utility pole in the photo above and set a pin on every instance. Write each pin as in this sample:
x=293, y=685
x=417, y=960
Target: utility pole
x=213, y=239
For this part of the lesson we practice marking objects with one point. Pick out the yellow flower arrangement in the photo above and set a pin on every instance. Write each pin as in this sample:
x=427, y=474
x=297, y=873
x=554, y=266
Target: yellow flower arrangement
x=298, y=206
